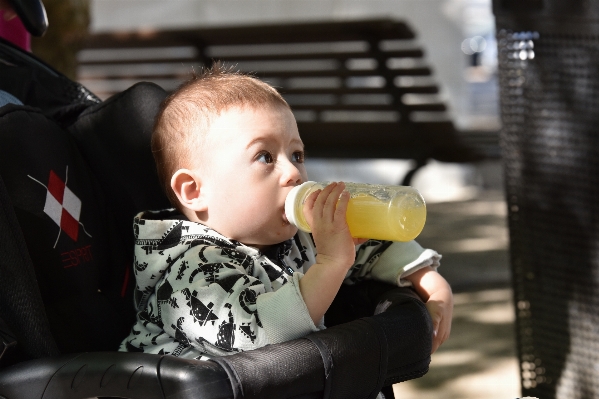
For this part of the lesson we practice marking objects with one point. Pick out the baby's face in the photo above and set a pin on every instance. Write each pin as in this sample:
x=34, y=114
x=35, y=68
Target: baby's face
x=254, y=157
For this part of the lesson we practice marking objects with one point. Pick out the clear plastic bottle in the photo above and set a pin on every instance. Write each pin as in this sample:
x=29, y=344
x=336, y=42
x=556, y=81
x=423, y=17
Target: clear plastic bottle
x=394, y=213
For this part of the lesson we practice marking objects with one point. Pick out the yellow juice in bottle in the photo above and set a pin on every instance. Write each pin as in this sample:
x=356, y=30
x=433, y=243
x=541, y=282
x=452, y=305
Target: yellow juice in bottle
x=394, y=213
x=369, y=217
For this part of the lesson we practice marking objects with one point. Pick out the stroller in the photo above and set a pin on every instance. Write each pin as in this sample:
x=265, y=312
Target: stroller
x=74, y=170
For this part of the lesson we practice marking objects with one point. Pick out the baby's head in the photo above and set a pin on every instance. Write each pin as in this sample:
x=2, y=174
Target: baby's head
x=228, y=151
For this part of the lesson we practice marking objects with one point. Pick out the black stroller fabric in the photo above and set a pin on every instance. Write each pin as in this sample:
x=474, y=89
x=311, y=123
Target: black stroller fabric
x=19, y=293
x=75, y=193
x=114, y=138
x=38, y=85
x=76, y=171
x=79, y=255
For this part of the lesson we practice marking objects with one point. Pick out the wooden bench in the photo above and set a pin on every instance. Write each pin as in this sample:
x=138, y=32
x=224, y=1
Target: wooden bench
x=358, y=89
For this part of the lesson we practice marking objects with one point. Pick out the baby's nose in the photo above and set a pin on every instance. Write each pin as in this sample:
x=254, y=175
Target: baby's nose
x=292, y=175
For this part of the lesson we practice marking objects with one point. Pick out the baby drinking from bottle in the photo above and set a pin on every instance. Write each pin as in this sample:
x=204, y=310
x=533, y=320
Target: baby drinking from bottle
x=225, y=271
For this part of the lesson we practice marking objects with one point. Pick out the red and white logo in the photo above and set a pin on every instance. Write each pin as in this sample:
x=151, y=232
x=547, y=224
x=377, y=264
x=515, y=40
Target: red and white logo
x=62, y=205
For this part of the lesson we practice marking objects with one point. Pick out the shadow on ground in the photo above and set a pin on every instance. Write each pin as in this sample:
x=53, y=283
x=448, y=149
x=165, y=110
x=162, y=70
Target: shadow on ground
x=472, y=236
x=479, y=359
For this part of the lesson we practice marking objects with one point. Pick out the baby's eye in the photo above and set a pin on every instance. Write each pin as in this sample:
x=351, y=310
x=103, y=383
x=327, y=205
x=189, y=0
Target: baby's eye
x=265, y=157
x=298, y=157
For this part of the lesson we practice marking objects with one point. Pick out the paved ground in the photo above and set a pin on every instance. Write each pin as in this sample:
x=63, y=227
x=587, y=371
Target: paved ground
x=479, y=359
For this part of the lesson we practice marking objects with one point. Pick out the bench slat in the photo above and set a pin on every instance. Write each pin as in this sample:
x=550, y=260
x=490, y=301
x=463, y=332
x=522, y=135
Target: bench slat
x=344, y=73
x=415, y=53
x=114, y=61
x=330, y=31
x=369, y=107
x=111, y=74
x=432, y=89
x=352, y=140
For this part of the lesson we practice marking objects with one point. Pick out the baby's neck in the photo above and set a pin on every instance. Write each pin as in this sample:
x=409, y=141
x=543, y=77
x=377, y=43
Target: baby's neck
x=261, y=248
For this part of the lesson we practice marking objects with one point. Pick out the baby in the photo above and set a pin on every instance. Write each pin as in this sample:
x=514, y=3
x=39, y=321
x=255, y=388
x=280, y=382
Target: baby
x=225, y=271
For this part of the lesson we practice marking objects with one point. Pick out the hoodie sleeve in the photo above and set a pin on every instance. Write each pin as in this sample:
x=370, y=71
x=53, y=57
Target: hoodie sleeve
x=217, y=299
x=391, y=262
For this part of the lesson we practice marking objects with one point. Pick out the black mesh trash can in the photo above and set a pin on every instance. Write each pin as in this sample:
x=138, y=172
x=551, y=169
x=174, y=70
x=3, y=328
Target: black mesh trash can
x=549, y=82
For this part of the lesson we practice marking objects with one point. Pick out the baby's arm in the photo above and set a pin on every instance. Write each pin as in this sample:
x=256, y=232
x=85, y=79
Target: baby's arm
x=436, y=293
x=325, y=212
x=336, y=251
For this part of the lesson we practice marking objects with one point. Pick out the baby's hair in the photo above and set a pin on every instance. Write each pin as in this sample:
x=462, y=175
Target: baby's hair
x=185, y=115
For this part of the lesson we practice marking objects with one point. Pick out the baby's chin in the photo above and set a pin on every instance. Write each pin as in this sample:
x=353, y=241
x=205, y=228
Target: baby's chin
x=286, y=233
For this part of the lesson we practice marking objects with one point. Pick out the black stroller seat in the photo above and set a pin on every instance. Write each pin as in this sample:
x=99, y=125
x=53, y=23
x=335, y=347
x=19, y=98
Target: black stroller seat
x=73, y=173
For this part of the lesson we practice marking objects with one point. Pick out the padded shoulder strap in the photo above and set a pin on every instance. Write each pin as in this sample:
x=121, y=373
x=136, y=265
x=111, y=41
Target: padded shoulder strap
x=37, y=84
x=19, y=292
x=114, y=137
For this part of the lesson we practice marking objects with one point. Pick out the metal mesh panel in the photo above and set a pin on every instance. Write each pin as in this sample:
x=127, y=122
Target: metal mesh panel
x=550, y=142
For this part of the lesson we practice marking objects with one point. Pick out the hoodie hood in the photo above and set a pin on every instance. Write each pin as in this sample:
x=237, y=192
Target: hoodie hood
x=169, y=233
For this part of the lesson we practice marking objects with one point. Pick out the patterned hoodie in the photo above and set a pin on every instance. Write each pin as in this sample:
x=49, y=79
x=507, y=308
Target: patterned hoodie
x=199, y=294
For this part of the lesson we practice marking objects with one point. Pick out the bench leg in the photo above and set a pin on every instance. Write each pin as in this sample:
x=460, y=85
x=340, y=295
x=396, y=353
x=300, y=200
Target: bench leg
x=408, y=177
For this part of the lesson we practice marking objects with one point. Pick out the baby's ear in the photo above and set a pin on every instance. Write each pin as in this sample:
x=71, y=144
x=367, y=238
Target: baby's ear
x=187, y=187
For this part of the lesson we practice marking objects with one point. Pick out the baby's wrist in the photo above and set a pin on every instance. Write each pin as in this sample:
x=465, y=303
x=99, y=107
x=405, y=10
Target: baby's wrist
x=442, y=293
x=334, y=261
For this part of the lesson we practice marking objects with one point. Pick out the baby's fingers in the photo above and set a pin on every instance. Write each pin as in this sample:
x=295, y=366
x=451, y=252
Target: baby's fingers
x=436, y=337
x=341, y=206
x=331, y=209
x=309, y=207
x=440, y=335
x=323, y=200
x=311, y=199
x=327, y=206
x=441, y=326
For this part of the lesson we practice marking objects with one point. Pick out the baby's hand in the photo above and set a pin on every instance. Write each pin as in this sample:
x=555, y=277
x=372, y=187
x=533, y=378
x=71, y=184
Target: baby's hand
x=440, y=307
x=436, y=293
x=325, y=213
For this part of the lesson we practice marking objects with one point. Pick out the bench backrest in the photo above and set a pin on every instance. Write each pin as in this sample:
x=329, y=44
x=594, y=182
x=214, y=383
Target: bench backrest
x=359, y=89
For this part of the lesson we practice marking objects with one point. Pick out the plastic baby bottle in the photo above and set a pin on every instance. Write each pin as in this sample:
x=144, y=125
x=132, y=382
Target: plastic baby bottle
x=393, y=213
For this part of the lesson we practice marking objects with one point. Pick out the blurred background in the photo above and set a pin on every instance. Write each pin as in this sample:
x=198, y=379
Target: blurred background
x=467, y=212
x=457, y=37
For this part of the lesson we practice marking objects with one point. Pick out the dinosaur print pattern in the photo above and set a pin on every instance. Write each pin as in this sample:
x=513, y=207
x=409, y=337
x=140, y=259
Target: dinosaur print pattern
x=197, y=292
